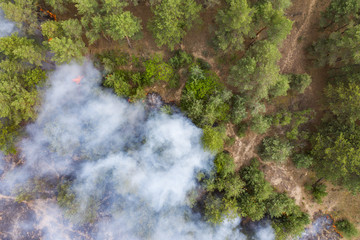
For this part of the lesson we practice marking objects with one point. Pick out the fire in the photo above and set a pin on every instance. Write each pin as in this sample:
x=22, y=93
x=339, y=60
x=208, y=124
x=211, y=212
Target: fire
x=47, y=12
x=78, y=79
x=334, y=226
x=50, y=39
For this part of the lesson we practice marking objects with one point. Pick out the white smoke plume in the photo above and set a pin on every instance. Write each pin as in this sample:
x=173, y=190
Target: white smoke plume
x=6, y=27
x=131, y=167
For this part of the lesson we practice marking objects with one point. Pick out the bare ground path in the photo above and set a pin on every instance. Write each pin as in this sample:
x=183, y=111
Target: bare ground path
x=305, y=15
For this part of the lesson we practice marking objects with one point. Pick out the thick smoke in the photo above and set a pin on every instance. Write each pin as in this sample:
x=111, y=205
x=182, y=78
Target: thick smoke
x=6, y=27
x=131, y=167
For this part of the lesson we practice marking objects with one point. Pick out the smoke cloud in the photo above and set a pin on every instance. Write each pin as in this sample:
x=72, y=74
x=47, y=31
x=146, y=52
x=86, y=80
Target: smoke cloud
x=131, y=167
x=6, y=26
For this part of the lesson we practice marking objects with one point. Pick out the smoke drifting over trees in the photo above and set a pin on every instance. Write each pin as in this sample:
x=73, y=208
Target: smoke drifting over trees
x=131, y=168
x=6, y=27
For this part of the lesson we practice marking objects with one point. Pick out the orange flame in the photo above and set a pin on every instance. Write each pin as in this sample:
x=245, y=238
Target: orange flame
x=78, y=79
x=50, y=14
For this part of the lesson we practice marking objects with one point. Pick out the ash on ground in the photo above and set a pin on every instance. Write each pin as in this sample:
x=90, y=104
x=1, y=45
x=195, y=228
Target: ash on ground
x=154, y=101
x=321, y=228
x=17, y=221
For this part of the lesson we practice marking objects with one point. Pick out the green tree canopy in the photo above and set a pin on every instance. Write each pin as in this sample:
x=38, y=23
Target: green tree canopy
x=275, y=149
x=172, y=19
x=122, y=25
x=21, y=49
x=344, y=101
x=107, y=18
x=20, y=58
x=340, y=48
x=337, y=154
x=339, y=13
x=257, y=72
x=233, y=24
x=23, y=12
x=213, y=138
x=66, y=49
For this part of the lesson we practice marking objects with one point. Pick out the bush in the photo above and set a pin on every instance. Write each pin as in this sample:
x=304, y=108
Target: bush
x=204, y=65
x=260, y=124
x=319, y=191
x=167, y=109
x=230, y=142
x=216, y=109
x=238, y=111
x=241, y=129
x=299, y=118
x=275, y=149
x=282, y=119
x=224, y=164
x=157, y=70
x=302, y=160
x=290, y=224
x=257, y=108
x=119, y=82
x=202, y=84
x=346, y=228
x=180, y=59
x=111, y=60
x=174, y=81
x=299, y=82
x=279, y=204
x=281, y=87
x=213, y=138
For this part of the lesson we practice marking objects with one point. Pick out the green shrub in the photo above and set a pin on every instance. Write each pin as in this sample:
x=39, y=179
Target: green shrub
x=281, y=87
x=174, y=81
x=260, y=124
x=290, y=224
x=167, y=109
x=298, y=119
x=253, y=201
x=111, y=60
x=224, y=164
x=202, y=84
x=238, y=111
x=257, y=108
x=230, y=142
x=204, y=65
x=275, y=149
x=346, y=228
x=282, y=119
x=8, y=136
x=33, y=77
x=280, y=203
x=241, y=129
x=319, y=191
x=302, y=160
x=180, y=59
x=119, y=82
x=299, y=82
x=213, y=138
x=138, y=94
x=217, y=109
x=157, y=70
